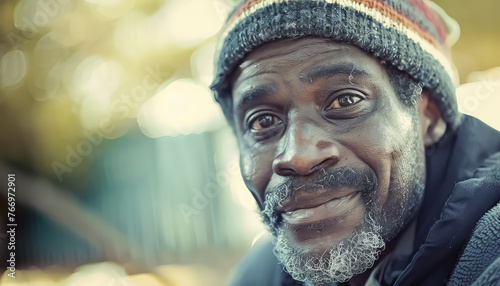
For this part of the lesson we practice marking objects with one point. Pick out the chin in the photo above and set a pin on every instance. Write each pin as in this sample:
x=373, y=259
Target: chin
x=329, y=256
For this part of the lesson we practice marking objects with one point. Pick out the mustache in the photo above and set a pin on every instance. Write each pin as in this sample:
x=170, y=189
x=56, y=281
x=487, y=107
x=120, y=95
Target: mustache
x=364, y=181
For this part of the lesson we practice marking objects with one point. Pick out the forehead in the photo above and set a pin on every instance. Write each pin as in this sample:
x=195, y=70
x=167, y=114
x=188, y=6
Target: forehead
x=298, y=55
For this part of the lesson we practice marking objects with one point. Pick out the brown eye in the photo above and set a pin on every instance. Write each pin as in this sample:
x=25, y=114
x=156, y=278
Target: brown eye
x=345, y=101
x=265, y=121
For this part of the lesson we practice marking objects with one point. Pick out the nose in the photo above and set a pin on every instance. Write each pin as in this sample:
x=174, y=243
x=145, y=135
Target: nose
x=305, y=150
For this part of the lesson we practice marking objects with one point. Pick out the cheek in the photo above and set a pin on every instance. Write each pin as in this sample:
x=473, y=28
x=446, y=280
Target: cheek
x=379, y=145
x=375, y=155
x=248, y=163
x=256, y=170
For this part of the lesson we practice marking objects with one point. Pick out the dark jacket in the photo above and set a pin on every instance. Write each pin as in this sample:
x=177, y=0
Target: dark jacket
x=457, y=236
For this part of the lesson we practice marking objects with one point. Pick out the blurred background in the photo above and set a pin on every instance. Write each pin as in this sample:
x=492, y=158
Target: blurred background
x=126, y=172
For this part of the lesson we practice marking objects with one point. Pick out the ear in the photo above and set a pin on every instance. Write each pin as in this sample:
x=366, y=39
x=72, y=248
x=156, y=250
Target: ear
x=431, y=122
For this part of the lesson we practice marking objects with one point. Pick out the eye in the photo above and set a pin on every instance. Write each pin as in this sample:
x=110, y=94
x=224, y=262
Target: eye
x=264, y=121
x=345, y=101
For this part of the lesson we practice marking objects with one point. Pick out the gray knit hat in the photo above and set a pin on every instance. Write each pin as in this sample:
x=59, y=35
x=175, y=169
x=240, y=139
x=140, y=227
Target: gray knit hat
x=407, y=34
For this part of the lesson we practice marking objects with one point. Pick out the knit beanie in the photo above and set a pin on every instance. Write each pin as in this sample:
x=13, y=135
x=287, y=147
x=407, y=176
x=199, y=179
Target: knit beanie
x=411, y=35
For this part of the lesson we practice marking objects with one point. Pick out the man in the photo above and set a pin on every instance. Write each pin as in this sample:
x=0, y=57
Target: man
x=350, y=141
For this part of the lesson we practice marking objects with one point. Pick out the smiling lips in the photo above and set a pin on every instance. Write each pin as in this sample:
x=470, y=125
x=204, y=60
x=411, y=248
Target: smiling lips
x=318, y=209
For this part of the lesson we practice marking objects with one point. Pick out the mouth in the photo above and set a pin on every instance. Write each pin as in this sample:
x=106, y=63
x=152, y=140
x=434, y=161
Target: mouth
x=319, y=209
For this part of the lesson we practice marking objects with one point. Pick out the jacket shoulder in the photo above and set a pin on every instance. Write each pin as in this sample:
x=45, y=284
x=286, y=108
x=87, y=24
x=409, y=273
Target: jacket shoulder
x=491, y=276
x=480, y=260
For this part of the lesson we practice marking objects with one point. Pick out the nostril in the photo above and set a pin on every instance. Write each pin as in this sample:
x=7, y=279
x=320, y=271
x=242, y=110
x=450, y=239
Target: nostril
x=297, y=165
x=286, y=172
x=283, y=169
x=303, y=157
x=324, y=164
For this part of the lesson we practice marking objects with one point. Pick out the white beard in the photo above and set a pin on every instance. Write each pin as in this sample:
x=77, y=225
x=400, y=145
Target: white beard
x=353, y=255
x=338, y=264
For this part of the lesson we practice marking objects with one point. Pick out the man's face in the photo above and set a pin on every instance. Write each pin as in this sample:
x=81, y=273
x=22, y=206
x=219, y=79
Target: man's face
x=333, y=156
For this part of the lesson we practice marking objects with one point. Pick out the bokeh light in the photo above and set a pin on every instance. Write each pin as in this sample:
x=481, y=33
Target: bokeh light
x=178, y=21
x=184, y=106
x=13, y=68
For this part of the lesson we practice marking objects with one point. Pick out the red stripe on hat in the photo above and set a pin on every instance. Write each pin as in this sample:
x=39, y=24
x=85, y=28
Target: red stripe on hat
x=381, y=7
x=434, y=18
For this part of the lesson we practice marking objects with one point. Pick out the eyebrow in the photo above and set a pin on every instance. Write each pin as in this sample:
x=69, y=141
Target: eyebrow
x=322, y=72
x=311, y=76
x=255, y=93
